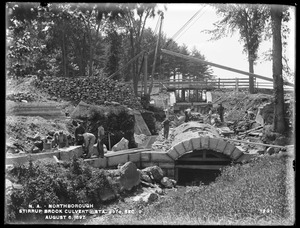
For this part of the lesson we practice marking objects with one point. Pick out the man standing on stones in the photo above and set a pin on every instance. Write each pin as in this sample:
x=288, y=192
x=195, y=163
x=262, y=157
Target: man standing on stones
x=221, y=112
x=209, y=115
x=166, y=124
x=79, y=130
x=88, y=143
x=61, y=139
x=101, y=135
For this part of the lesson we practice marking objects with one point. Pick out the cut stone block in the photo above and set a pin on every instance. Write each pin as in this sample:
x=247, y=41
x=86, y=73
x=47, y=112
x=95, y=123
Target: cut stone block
x=236, y=154
x=221, y=145
x=119, y=159
x=166, y=165
x=100, y=163
x=148, y=164
x=160, y=157
x=173, y=154
x=134, y=157
x=187, y=145
x=44, y=155
x=205, y=142
x=145, y=157
x=179, y=148
x=229, y=149
x=196, y=143
x=67, y=153
x=213, y=143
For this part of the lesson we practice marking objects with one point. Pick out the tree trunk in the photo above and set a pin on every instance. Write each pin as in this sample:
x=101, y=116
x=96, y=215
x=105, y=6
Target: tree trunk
x=251, y=70
x=279, y=120
x=90, y=56
x=134, y=78
x=64, y=56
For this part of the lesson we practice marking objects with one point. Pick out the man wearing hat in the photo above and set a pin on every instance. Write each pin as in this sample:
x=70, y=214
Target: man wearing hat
x=79, y=130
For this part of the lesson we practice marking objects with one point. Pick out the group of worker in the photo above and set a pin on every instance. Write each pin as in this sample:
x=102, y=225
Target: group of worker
x=83, y=138
x=187, y=113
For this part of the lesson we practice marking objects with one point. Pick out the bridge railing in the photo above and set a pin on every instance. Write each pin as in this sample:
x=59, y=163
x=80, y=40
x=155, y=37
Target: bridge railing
x=218, y=83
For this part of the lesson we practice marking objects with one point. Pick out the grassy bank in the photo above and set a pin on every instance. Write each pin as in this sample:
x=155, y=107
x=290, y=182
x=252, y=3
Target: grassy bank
x=256, y=194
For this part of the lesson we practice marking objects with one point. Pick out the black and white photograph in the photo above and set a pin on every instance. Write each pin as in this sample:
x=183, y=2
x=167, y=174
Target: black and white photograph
x=150, y=114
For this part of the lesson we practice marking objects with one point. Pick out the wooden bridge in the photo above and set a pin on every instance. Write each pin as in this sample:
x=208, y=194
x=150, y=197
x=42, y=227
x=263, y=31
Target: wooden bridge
x=212, y=84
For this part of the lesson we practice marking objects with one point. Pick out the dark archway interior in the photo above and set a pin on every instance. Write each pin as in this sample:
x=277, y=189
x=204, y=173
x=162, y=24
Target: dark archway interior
x=200, y=166
x=195, y=176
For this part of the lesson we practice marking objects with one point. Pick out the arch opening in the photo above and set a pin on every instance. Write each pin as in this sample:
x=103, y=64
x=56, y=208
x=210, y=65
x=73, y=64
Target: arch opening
x=199, y=166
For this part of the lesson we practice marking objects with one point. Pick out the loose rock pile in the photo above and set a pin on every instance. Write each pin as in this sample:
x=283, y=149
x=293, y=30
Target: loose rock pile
x=19, y=97
x=127, y=176
x=93, y=90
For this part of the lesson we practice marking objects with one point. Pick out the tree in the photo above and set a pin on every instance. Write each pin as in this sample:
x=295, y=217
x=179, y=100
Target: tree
x=135, y=19
x=250, y=21
x=279, y=120
x=113, y=55
x=197, y=70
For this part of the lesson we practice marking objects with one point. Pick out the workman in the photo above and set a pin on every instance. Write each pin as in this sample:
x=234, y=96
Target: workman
x=209, y=115
x=166, y=124
x=101, y=135
x=79, y=130
x=187, y=118
x=88, y=143
x=61, y=139
x=221, y=112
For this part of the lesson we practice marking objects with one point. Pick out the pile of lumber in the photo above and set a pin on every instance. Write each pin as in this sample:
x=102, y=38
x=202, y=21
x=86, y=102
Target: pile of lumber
x=93, y=90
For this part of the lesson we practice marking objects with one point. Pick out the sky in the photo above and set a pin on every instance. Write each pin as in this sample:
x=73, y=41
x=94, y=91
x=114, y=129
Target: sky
x=226, y=51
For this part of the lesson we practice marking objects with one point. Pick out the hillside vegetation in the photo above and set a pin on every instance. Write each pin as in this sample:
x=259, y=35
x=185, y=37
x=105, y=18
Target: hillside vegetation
x=259, y=193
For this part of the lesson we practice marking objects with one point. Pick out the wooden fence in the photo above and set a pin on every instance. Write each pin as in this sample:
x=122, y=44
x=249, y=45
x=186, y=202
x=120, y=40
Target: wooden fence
x=219, y=83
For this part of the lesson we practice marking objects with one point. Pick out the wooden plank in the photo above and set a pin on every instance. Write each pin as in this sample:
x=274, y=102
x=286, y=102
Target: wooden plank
x=253, y=143
x=213, y=167
x=121, y=152
x=220, y=66
x=254, y=129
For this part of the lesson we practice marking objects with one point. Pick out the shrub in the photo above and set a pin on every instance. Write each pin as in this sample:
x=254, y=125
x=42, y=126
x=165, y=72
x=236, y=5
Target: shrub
x=46, y=183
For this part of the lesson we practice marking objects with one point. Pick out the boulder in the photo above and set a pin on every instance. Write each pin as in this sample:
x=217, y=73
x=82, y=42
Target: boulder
x=107, y=194
x=174, y=182
x=147, y=197
x=154, y=171
x=150, y=197
x=271, y=150
x=159, y=191
x=166, y=182
x=35, y=149
x=146, y=178
x=39, y=144
x=129, y=177
x=11, y=150
x=121, y=145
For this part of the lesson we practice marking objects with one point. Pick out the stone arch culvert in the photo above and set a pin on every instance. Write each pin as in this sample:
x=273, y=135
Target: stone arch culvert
x=200, y=159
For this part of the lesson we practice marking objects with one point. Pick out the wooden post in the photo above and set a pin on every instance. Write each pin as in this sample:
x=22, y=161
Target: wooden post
x=219, y=83
x=236, y=85
x=146, y=72
x=155, y=54
x=183, y=94
x=109, y=143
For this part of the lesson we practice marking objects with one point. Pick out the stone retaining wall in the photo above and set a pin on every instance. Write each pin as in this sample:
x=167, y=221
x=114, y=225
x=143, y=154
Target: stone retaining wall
x=145, y=157
x=47, y=111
